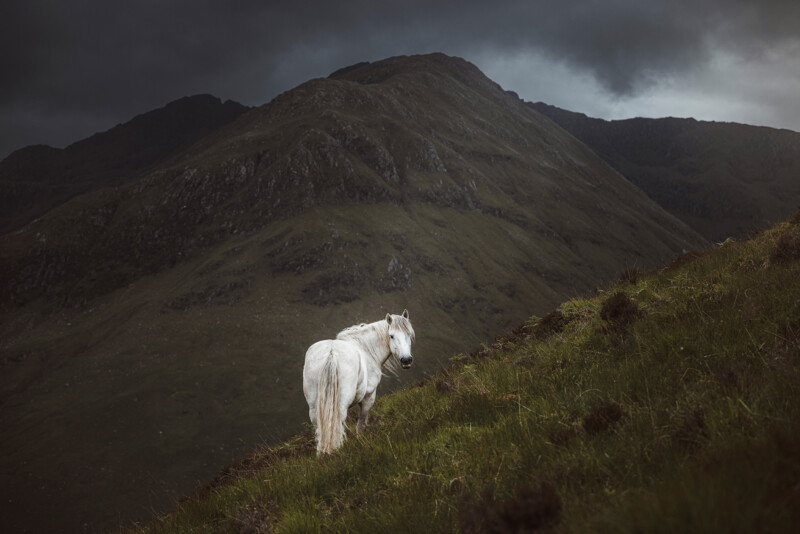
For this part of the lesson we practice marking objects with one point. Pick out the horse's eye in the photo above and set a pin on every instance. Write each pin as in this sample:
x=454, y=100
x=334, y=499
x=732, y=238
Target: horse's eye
x=391, y=336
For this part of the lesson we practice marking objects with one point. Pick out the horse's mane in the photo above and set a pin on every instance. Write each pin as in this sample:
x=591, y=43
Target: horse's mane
x=398, y=321
x=352, y=331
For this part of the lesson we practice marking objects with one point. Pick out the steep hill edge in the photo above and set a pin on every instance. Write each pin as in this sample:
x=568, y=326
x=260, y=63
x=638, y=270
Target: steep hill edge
x=666, y=402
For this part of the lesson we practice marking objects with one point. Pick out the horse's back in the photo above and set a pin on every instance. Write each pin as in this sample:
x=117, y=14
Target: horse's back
x=348, y=361
x=316, y=354
x=346, y=354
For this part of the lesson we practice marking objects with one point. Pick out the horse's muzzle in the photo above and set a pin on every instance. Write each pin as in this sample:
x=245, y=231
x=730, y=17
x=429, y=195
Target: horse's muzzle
x=405, y=362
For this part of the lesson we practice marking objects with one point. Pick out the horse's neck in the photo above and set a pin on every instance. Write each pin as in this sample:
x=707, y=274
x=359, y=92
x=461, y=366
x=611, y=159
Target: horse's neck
x=373, y=341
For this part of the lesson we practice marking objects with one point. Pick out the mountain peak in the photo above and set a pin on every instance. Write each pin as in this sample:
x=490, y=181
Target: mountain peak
x=436, y=63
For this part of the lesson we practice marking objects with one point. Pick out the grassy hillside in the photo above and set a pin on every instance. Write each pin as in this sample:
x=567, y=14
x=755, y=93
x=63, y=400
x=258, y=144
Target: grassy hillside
x=668, y=403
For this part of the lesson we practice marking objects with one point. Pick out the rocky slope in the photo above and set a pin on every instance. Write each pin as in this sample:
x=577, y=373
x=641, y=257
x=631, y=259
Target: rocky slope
x=722, y=179
x=153, y=331
x=35, y=179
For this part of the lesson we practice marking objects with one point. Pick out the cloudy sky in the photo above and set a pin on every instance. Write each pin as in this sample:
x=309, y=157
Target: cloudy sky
x=72, y=68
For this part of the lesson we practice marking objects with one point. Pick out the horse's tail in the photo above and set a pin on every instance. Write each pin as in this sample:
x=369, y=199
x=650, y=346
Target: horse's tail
x=330, y=433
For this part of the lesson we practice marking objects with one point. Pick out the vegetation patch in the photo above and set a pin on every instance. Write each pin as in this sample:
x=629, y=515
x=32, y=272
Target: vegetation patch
x=552, y=323
x=253, y=520
x=529, y=509
x=685, y=259
x=787, y=248
x=795, y=218
x=602, y=417
x=443, y=385
x=691, y=429
x=630, y=276
x=619, y=310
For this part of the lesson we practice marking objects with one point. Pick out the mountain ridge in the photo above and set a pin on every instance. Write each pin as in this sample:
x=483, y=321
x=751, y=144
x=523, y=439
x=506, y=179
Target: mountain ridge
x=724, y=179
x=37, y=178
x=378, y=175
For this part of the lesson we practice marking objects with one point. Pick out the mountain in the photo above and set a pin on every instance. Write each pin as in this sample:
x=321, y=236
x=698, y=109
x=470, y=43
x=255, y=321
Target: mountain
x=156, y=330
x=722, y=179
x=670, y=402
x=35, y=179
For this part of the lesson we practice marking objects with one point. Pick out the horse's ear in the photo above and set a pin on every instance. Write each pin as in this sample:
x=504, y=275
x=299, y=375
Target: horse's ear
x=389, y=318
x=405, y=314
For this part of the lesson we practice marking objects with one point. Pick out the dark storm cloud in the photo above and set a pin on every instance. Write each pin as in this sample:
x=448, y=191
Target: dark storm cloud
x=72, y=68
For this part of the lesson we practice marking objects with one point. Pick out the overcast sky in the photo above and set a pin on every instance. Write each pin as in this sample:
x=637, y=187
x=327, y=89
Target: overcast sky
x=72, y=68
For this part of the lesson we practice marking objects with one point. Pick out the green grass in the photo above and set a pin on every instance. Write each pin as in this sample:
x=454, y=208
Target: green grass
x=681, y=417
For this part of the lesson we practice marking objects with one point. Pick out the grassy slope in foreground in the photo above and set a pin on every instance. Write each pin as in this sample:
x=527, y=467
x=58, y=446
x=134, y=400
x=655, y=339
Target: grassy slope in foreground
x=669, y=403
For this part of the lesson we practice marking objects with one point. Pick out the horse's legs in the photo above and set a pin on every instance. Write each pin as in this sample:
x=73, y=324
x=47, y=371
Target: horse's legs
x=312, y=414
x=365, y=404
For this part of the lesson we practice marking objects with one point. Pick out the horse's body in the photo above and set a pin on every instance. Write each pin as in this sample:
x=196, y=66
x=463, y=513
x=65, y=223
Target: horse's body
x=339, y=373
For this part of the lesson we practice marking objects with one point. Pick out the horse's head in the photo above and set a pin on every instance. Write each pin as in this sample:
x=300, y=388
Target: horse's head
x=401, y=334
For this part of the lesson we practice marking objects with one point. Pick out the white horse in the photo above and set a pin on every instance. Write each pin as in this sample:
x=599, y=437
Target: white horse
x=339, y=373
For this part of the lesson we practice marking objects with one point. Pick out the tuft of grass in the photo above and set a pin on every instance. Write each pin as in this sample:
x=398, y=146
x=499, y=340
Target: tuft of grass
x=690, y=421
x=552, y=323
x=619, y=310
x=529, y=509
x=787, y=247
x=630, y=276
x=602, y=417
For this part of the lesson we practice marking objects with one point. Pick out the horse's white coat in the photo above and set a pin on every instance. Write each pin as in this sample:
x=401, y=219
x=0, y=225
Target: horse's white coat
x=339, y=373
